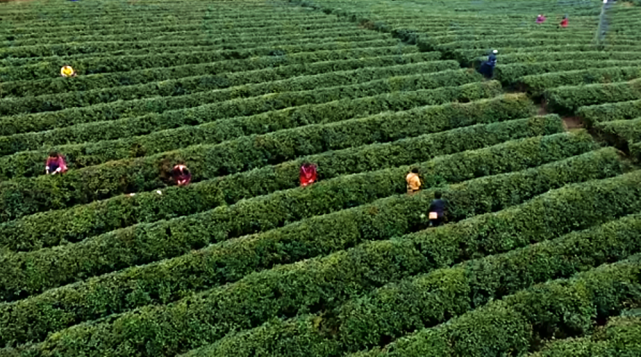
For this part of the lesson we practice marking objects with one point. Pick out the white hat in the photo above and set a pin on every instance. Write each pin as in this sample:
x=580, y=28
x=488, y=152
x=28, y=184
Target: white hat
x=496, y=51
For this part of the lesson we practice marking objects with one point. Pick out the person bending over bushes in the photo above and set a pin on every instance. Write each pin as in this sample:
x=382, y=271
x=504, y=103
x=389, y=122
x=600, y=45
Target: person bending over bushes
x=413, y=181
x=437, y=210
x=55, y=164
x=307, y=174
x=564, y=22
x=181, y=175
x=67, y=71
x=487, y=67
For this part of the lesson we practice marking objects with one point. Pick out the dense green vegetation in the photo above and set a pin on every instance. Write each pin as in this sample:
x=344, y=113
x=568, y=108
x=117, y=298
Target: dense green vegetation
x=538, y=163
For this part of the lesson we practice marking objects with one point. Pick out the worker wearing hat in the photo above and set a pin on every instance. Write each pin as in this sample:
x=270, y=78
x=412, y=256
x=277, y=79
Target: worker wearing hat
x=67, y=71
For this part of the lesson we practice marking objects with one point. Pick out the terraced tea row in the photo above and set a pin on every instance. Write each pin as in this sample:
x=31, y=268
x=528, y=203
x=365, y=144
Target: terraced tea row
x=241, y=26
x=242, y=261
x=134, y=175
x=429, y=85
x=339, y=276
x=196, y=84
x=226, y=77
x=234, y=263
x=228, y=37
x=128, y=63
x=569, y=99
x=349, y=40
x=146, y=208
x=427, y=300
x=195, y=104
x=245, y=217
x=558, y=307
x=620, y=336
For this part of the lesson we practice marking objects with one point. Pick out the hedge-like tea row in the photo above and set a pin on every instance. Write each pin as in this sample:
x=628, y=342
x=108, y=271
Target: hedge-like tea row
x=569, y=99
x=635, y=150
x=30, y=21
x=620, y=337
x=191, y=35
x=374, y=93
x=505, y=42
x=619, y=132
x=431, y=299
x=359, y=11
x=511, y=74
x=16, y=54
x=29, y=195
x=595, y=114
x=20, y=55
x=442, y=37
x=124, y=16
x=310, y=285
x=149, y=20
x=288, y=44
x=28, y=319
x=146, y=21
x=243, y=26
x=33, y=232
x=452, y=43
x=516, y=324
x=542, y=56
x=470, y=56
x=245, y=217
x=120, y=34
x=268, y=65
x=128, y=63
x=189, y=85
x=195, y=110
x=108, y=13
x=536, y=84
x=24, y=123
x=157, y=114
x=294, y=45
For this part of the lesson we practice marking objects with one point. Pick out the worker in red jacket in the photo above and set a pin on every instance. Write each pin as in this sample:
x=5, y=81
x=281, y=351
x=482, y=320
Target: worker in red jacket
x=307, y=174
x=181, y=175
x=564, y=22
x=55, y=164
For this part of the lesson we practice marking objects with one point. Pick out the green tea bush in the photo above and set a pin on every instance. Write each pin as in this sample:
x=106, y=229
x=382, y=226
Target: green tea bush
x=35, y=232
x=536, y=84
x=176, y=278
x=569, y=99
x=595, y=114
x=620, y=337
x=558, y=309
x=228, y=74
x=26, y=196
x=427, y=300
x=245, y=217
x=313, y=284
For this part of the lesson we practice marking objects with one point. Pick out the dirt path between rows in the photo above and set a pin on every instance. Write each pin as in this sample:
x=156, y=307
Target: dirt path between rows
x=569, y=122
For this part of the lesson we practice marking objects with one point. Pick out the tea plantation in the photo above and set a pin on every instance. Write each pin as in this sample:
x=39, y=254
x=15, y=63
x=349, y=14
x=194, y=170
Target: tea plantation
x=541, y=251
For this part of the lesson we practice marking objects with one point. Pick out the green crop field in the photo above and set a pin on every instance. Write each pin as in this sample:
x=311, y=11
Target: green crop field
x=540, y=253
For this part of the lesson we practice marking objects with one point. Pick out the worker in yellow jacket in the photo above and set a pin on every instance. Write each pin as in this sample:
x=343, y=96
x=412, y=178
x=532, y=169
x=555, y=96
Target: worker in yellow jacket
x=67, y=71
x=413, y=181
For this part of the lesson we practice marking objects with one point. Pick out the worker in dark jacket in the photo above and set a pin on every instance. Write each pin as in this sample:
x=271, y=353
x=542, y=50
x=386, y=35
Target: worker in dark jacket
x=437, y=210
x=491, y=60
x=487, y=68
